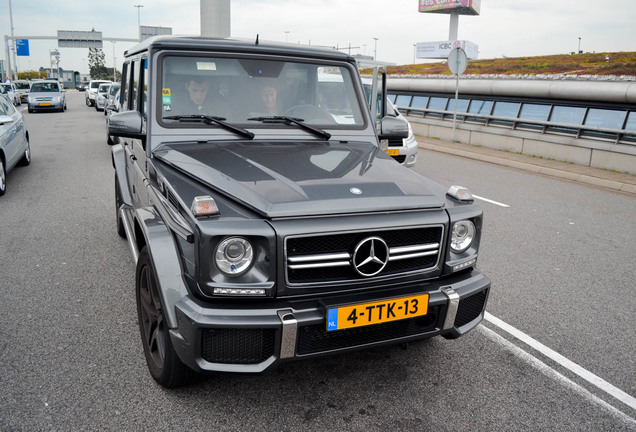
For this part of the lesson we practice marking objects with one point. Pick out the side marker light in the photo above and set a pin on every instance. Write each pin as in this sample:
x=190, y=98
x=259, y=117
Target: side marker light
x=204, y=206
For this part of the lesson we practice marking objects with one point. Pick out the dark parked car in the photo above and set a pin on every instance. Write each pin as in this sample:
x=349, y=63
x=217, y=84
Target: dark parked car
x=82, y=86
x=265, y=220
x=14, y=141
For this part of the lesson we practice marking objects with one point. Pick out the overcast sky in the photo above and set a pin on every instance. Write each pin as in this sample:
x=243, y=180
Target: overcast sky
x=511, y=28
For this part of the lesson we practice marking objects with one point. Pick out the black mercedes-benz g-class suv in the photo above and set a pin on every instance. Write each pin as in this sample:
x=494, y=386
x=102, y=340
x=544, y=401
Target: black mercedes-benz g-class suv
x=265, y=219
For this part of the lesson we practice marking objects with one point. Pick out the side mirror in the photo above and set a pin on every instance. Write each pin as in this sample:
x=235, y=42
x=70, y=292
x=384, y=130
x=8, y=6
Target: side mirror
x=393, y=128
x=126, y=124
x=5, y=119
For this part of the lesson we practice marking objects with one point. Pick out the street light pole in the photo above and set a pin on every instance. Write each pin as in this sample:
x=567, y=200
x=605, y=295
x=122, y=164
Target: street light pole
x=579, y=51
x=114, y=64
x=139, y=19
x=375, y=49
x=15, y=59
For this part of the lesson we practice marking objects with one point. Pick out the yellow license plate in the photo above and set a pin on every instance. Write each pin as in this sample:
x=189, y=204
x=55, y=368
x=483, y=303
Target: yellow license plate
x=394, y=152
x=45, y=104
x=363, y=314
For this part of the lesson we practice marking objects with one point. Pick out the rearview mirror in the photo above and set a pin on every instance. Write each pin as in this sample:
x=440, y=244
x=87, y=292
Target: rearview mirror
x=126, y=124
x=393, y=128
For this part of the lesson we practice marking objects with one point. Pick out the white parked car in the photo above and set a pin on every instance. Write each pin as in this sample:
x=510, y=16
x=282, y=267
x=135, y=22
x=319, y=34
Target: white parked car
x=14, y=141
x=404, y=151
x=91, y=91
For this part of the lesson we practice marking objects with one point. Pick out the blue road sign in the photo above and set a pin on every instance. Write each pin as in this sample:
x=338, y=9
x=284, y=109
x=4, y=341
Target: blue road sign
x=22, y=47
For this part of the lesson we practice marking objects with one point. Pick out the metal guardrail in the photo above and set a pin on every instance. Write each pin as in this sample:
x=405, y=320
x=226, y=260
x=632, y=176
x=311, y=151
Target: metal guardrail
x=619, y=136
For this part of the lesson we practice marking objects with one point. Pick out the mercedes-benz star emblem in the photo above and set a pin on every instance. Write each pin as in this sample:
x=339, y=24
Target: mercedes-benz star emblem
x=370, y=256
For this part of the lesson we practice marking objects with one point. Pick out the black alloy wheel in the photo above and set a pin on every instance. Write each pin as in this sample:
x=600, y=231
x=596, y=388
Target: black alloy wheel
x=26, y=157
x=165, y=366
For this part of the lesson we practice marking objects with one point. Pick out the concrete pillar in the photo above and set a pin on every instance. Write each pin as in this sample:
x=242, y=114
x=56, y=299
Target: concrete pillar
x=454, y=26
x=215, y=18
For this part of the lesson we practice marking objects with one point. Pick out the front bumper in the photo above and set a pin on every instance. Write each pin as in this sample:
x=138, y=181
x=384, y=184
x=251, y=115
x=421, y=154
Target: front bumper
x=253, y=337
x=407, y=153
x=42, y=106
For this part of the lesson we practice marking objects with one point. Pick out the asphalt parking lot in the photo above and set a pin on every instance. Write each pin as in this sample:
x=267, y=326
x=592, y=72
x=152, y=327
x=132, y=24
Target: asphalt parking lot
x=556, y=351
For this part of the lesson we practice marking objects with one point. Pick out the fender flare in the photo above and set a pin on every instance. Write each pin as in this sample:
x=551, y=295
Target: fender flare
x=118, y=157
x=165, y=259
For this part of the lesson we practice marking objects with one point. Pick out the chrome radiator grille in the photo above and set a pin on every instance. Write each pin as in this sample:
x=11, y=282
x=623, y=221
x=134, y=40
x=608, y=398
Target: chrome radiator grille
x=356, y=256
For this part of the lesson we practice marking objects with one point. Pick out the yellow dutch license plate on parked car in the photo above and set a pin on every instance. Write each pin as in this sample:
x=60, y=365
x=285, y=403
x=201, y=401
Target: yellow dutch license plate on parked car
x=363, y=314
x=45, y=104
x=394, y=152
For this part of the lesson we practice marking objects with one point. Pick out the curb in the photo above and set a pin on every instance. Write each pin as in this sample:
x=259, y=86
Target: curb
x=539, y=169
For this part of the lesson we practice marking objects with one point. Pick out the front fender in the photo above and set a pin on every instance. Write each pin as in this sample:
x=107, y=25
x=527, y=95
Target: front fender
x=164, y=255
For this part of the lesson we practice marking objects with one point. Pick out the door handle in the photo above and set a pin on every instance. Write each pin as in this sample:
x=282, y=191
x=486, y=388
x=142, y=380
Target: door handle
x=133, y=157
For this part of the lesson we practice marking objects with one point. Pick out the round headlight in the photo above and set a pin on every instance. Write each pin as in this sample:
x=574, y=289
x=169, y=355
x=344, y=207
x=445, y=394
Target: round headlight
x=234, y=256
x=462, y=236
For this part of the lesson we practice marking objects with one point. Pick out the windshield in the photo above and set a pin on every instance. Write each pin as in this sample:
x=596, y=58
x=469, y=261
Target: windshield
x=4, y=88
x=22, y=86
x=103, y=88
x=44, y=87
x=240, y=89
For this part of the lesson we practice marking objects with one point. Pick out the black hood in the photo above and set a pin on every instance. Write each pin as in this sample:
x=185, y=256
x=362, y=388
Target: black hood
x=282, y=178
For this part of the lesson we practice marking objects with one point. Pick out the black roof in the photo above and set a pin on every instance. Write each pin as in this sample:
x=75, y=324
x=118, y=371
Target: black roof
x=200, y=43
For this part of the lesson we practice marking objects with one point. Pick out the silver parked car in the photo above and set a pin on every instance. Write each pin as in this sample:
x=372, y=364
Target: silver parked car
x=101, y=96
x=11, y=92
x=46, y=95
x=14, y=141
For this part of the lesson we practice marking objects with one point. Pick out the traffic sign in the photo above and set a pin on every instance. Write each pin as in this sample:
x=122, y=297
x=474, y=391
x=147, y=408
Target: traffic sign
x=457, y=61
x=22, y=47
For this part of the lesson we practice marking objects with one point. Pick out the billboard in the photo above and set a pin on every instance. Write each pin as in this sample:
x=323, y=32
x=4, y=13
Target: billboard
x=441, y=49
x=79, y=39
x=462, y=7
x=149, y=31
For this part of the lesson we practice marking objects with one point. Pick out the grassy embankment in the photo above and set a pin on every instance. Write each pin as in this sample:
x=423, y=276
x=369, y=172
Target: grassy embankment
x=620, y=63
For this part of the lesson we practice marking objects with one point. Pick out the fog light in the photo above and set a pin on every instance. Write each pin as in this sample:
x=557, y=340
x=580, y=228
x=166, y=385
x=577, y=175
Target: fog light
x=464, y=265
x=239, y=291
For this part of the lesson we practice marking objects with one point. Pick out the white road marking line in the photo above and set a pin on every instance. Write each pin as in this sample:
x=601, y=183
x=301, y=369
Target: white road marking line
x=566, y=363
x=551, y=373
x=491, y=201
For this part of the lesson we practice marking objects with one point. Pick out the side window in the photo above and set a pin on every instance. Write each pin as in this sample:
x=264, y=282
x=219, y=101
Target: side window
x=134, y=74
x=125, y=80
x=143, y=78
x=3, y=106
x=6, y=107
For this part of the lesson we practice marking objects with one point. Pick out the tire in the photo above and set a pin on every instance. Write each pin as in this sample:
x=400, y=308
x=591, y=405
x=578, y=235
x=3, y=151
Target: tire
x=120, y=225
x=3, y=177
x=88, y=102
x=26, y=157
x=163, y=363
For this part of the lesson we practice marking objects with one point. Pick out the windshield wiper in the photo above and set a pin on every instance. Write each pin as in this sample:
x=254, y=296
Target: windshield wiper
x=212, y=120
x=297, y=121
